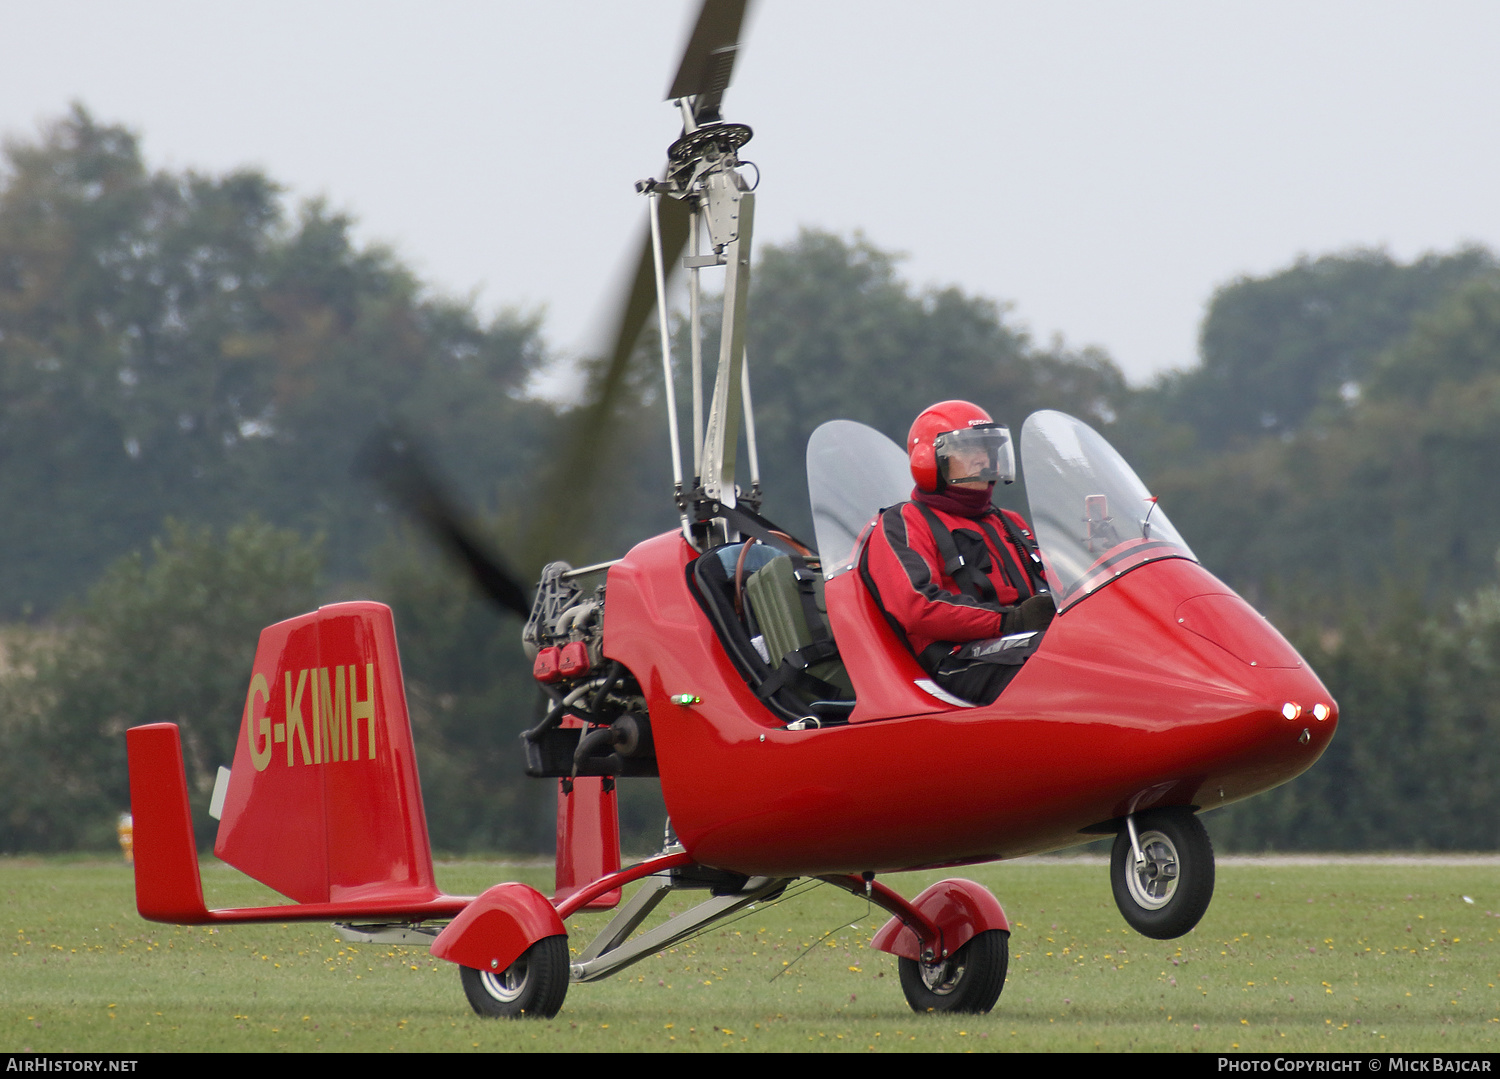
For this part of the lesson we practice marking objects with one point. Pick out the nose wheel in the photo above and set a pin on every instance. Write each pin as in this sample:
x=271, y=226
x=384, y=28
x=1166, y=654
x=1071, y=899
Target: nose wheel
x=1165, y=892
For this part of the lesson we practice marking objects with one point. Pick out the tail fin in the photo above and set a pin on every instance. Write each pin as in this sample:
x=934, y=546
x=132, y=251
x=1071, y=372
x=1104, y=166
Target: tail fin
x=167, y=885
x=323, y=802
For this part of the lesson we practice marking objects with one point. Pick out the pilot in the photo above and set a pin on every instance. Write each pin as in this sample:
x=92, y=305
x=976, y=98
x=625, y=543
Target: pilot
x=956, y=576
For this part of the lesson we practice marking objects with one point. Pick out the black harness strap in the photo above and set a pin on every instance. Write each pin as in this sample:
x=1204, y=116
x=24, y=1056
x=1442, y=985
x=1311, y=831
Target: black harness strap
x=1013, y=574
x=970, y=577
x=806, y=578
x=1027, y=545
x=793, y=673
x=966, y=572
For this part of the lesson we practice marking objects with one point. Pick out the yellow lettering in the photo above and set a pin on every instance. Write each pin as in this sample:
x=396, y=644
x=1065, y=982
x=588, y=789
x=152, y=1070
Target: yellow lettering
x=331, y=704
x=318, y=736
x=361, y=709
x=294, y=720
x=260, y=757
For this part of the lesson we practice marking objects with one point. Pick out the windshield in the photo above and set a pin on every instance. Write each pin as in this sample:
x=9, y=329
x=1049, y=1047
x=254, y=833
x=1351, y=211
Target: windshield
x=1092, y=516
x=853, y=472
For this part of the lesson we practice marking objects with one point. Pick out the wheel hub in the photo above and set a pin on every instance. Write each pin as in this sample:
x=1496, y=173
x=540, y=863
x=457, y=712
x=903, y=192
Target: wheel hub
x=508, y=984
x=1153, y=881
x=943, y=976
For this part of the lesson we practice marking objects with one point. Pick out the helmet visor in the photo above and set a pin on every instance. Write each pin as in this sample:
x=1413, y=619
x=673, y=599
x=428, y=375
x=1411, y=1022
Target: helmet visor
x=974, y=455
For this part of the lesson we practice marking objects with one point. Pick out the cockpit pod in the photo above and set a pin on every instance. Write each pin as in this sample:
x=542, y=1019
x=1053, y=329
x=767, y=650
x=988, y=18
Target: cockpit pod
x=1156, y=683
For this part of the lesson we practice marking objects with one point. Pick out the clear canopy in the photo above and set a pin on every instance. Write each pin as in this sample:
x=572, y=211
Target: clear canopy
x=1092, y=516
x=853, y=472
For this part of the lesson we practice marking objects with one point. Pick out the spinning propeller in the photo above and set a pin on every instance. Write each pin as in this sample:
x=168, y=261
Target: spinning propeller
x=392, y=459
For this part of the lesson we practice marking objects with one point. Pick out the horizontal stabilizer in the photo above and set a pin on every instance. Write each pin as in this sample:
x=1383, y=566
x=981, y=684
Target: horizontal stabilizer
x=323, y=802
x=168, y=887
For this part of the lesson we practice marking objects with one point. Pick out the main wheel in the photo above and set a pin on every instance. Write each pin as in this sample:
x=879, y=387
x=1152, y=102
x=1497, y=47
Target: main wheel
x=532, y=987
x=969, y=980
x=1169, y=891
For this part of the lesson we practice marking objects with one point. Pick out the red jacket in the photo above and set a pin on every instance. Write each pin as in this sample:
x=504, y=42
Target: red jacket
x=907, y=572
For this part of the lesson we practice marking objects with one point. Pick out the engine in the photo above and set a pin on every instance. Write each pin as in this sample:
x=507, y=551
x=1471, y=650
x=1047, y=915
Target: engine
x=597, y=723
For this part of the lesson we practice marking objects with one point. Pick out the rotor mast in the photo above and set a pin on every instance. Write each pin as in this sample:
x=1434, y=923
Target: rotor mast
x=703, y=173
x=721, y=439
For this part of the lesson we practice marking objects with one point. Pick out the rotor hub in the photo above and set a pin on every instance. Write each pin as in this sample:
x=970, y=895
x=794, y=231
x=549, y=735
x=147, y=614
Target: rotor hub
x=726, y=138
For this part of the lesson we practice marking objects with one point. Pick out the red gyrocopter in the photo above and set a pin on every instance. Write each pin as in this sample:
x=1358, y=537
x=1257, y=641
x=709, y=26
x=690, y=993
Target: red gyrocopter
x=1155, y=693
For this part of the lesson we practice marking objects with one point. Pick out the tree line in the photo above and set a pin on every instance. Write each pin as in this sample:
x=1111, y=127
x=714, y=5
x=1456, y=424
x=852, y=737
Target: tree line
x=188, y=371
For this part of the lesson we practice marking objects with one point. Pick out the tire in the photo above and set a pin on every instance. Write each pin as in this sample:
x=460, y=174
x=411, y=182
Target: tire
x=1167, y=895
x=967, y=982
x=533, y=987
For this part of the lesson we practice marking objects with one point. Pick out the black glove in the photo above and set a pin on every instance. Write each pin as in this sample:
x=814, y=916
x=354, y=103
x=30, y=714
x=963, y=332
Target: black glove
x=1033, y=614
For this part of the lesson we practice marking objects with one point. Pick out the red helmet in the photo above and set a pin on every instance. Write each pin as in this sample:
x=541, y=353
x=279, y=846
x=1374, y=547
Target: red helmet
x=949, y=427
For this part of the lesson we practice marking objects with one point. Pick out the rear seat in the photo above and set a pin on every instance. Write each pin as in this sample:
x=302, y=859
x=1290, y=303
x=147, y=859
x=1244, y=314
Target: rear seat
x=801, y=654
x=792, y=666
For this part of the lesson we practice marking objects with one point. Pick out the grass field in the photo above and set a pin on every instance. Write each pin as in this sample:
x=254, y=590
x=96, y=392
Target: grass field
x=1340, y=957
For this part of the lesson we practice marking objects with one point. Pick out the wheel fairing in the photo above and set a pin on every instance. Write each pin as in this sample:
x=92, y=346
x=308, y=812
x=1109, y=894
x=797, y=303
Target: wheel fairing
x=495, y=929
x=960, y=909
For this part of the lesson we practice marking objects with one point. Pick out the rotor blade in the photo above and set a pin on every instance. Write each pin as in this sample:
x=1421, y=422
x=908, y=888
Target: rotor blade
x=392, y=459
x=708, y=58
x=579, y=467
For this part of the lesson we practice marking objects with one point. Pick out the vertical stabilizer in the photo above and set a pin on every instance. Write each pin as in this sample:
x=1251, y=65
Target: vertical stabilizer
x=167, y=885
x=324, y=803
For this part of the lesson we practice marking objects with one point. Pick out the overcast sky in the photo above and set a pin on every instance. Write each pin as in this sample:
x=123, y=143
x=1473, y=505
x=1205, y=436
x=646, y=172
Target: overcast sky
x=1101, y=167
